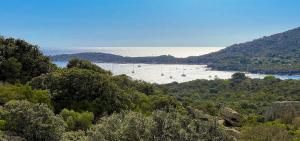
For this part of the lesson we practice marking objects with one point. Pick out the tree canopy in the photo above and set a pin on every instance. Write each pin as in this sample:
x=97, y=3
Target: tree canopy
x=20, y=61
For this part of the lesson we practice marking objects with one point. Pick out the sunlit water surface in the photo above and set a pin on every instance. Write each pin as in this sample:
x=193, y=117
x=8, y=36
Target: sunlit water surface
x=166, y=73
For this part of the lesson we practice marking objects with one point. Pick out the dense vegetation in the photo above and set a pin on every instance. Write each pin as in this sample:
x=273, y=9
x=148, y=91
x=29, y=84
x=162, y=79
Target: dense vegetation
x=21, y=61
x=276, y=54
x=247, y=96
x=83, y=102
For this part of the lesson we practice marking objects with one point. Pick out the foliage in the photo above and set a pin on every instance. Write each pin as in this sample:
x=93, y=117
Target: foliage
x=132, y=126
x=158, y=126
x=272, y=131
x=81, y=89
x=82, y=64
x=23, y=92
x=2, y=124
x=21, y=61
x=33, y=121
x=74, y=136
x=77, y=121
x=238, y=77
x=249, y=96
x=10, y=70
x=274, y=54
x=164, y=102
x=127, y=83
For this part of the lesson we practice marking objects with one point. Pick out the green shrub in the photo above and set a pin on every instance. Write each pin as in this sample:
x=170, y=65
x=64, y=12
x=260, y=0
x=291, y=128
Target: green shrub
x=272, y=131
x=77, y=121
x=83, y=64
x=158, y=126
x=82, y=90
x=74, y=136
x=2, y=124
x=33, y=121
x=23, y=92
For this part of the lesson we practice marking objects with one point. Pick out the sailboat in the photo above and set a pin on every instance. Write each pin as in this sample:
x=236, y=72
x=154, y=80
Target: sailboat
x=161, y=72
x=183, y=75
x=132, y=69
x=171, y=77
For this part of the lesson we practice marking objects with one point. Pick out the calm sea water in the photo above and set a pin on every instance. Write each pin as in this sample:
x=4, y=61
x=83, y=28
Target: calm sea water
x=166, y=73
x=153, y=72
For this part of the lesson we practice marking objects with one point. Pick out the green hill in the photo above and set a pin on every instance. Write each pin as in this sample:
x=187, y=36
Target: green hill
x=276, y=54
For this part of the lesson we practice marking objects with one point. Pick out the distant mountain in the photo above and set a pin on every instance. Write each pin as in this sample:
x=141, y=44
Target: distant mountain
x=105, y=57
x=276, y=54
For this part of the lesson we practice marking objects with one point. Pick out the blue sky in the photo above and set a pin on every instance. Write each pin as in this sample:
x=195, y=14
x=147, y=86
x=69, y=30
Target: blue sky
x=92, y=23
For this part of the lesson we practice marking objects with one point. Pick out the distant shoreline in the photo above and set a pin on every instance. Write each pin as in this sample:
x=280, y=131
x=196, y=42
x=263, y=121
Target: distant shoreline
x=98, y=57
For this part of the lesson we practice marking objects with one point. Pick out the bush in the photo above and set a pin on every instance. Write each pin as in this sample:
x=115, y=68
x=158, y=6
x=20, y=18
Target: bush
x=74, y=136
x=82, y=90
x=77, y=121
x=164, y=102
x=83, y=64
x=33, y=121
x=238, y=77
x=178, y=127
x=266, y=132
x=158, y=126
x=23, y=92
x=123, y=126
x=2, y=124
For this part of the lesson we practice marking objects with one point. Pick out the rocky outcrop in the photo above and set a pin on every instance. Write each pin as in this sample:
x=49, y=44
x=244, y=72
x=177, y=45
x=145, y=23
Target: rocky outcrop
x=199, y=114
x=233, y=132
x=282, y=109
x=231, y=117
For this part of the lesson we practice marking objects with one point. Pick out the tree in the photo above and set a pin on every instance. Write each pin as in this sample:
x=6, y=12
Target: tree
x=238, y=77
x=82, y=90
x=83, y=64
x=10, y=70
x=21, y=61
x=33, y=121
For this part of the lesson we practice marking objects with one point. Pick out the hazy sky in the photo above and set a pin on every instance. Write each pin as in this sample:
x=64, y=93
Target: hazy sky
x=80, y=23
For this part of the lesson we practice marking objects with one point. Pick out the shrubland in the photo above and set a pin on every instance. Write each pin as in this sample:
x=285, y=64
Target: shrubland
x=41, y=102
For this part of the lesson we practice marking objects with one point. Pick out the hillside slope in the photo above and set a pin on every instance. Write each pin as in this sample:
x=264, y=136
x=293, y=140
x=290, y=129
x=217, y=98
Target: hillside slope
x=279, y=53
x=276, y=54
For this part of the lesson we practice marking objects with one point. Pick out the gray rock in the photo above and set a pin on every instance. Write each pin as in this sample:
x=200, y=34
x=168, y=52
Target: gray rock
x=281, y=109
x=233, y=132
x=199, y=114
x=231, y=117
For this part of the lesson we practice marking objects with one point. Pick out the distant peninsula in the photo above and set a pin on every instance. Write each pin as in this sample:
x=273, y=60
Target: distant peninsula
x=275, y=54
